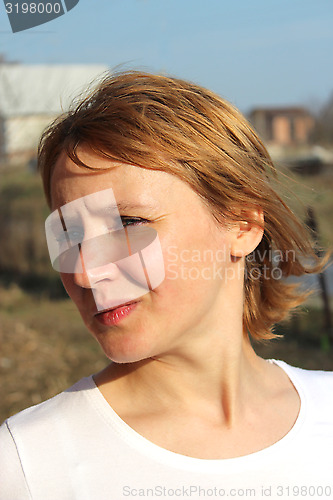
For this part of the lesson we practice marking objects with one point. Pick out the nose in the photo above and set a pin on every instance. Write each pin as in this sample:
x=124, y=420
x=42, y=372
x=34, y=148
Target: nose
x=90, y=269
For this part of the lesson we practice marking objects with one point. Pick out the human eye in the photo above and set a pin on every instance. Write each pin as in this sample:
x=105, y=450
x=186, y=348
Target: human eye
x=71, y=236
x=133, y=221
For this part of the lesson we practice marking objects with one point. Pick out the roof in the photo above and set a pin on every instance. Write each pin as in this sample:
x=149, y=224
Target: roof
x=43, y=89
x=292, y=110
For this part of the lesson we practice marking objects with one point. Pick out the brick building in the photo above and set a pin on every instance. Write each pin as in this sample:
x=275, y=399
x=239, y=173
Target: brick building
x=283, y=126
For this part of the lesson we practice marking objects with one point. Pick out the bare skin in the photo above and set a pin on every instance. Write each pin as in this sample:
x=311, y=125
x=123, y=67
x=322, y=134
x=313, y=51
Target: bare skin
x=198, y=425
x=183, y=374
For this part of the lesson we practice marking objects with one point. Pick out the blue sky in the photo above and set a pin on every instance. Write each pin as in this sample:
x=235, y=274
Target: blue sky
x=252, y=52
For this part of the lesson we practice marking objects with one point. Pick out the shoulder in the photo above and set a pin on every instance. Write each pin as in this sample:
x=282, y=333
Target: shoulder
x=35, y=443
x=12, y=477
x=307, y=376
x=314, y=386
x=58, y=407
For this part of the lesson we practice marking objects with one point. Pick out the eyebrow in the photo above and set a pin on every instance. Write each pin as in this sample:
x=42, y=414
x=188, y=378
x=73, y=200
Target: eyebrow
x=123, y=205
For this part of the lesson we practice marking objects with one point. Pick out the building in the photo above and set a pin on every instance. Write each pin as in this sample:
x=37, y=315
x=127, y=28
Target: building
x=283, y=126
x=31, y=96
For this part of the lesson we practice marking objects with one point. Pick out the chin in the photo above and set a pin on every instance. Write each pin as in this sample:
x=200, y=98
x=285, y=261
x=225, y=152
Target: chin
x=121, y=347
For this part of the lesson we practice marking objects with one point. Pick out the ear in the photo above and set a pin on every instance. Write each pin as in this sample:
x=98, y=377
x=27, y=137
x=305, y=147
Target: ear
x=247, y=234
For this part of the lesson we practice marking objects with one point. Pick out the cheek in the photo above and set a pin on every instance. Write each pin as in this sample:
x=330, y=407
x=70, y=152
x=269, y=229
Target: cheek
x=151, y=260
x=198, y=257
x=194, y=273
x=69, y=285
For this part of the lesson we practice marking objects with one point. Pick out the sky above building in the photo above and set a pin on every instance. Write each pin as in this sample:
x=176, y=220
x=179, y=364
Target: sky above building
x=254, y=53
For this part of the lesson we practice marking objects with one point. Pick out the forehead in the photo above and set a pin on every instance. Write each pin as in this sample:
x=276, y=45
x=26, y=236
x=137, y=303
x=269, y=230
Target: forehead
x=130, y=184
x=70, y=181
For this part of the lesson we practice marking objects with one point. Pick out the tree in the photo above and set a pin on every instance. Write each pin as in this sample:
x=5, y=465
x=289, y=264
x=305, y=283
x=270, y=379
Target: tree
x=323, y=131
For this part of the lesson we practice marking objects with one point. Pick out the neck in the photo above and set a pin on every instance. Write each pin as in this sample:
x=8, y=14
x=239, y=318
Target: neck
x=212, y=367
x=213, y=378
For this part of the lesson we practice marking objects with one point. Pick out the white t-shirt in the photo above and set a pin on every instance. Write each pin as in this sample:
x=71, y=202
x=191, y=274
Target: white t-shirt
x=74, y=446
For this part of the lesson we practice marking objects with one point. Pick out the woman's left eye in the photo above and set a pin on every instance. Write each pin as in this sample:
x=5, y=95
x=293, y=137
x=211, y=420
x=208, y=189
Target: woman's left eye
x=133, y=221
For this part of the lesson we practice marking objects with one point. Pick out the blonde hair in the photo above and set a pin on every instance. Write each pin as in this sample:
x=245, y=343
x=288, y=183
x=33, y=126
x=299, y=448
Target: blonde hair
x=169, y=124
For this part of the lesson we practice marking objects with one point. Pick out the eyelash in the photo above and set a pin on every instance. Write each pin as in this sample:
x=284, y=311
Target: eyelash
x=137, y=220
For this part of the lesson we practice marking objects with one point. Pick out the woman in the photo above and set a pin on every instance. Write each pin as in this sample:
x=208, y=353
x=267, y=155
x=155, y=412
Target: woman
x=172, y=243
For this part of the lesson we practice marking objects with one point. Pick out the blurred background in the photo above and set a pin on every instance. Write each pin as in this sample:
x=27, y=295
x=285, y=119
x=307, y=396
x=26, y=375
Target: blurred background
x=270, y=59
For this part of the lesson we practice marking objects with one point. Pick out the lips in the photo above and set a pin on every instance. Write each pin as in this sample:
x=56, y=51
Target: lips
x=110, y=309
x=111, y=317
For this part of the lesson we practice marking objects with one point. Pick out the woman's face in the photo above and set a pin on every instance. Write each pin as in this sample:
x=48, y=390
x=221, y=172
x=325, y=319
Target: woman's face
x=190, y=300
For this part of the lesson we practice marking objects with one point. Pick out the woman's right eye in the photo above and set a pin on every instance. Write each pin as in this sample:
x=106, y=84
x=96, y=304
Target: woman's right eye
x=71, y=236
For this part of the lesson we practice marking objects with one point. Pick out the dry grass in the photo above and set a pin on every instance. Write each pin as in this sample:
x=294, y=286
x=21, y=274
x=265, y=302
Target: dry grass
x=44, y=349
